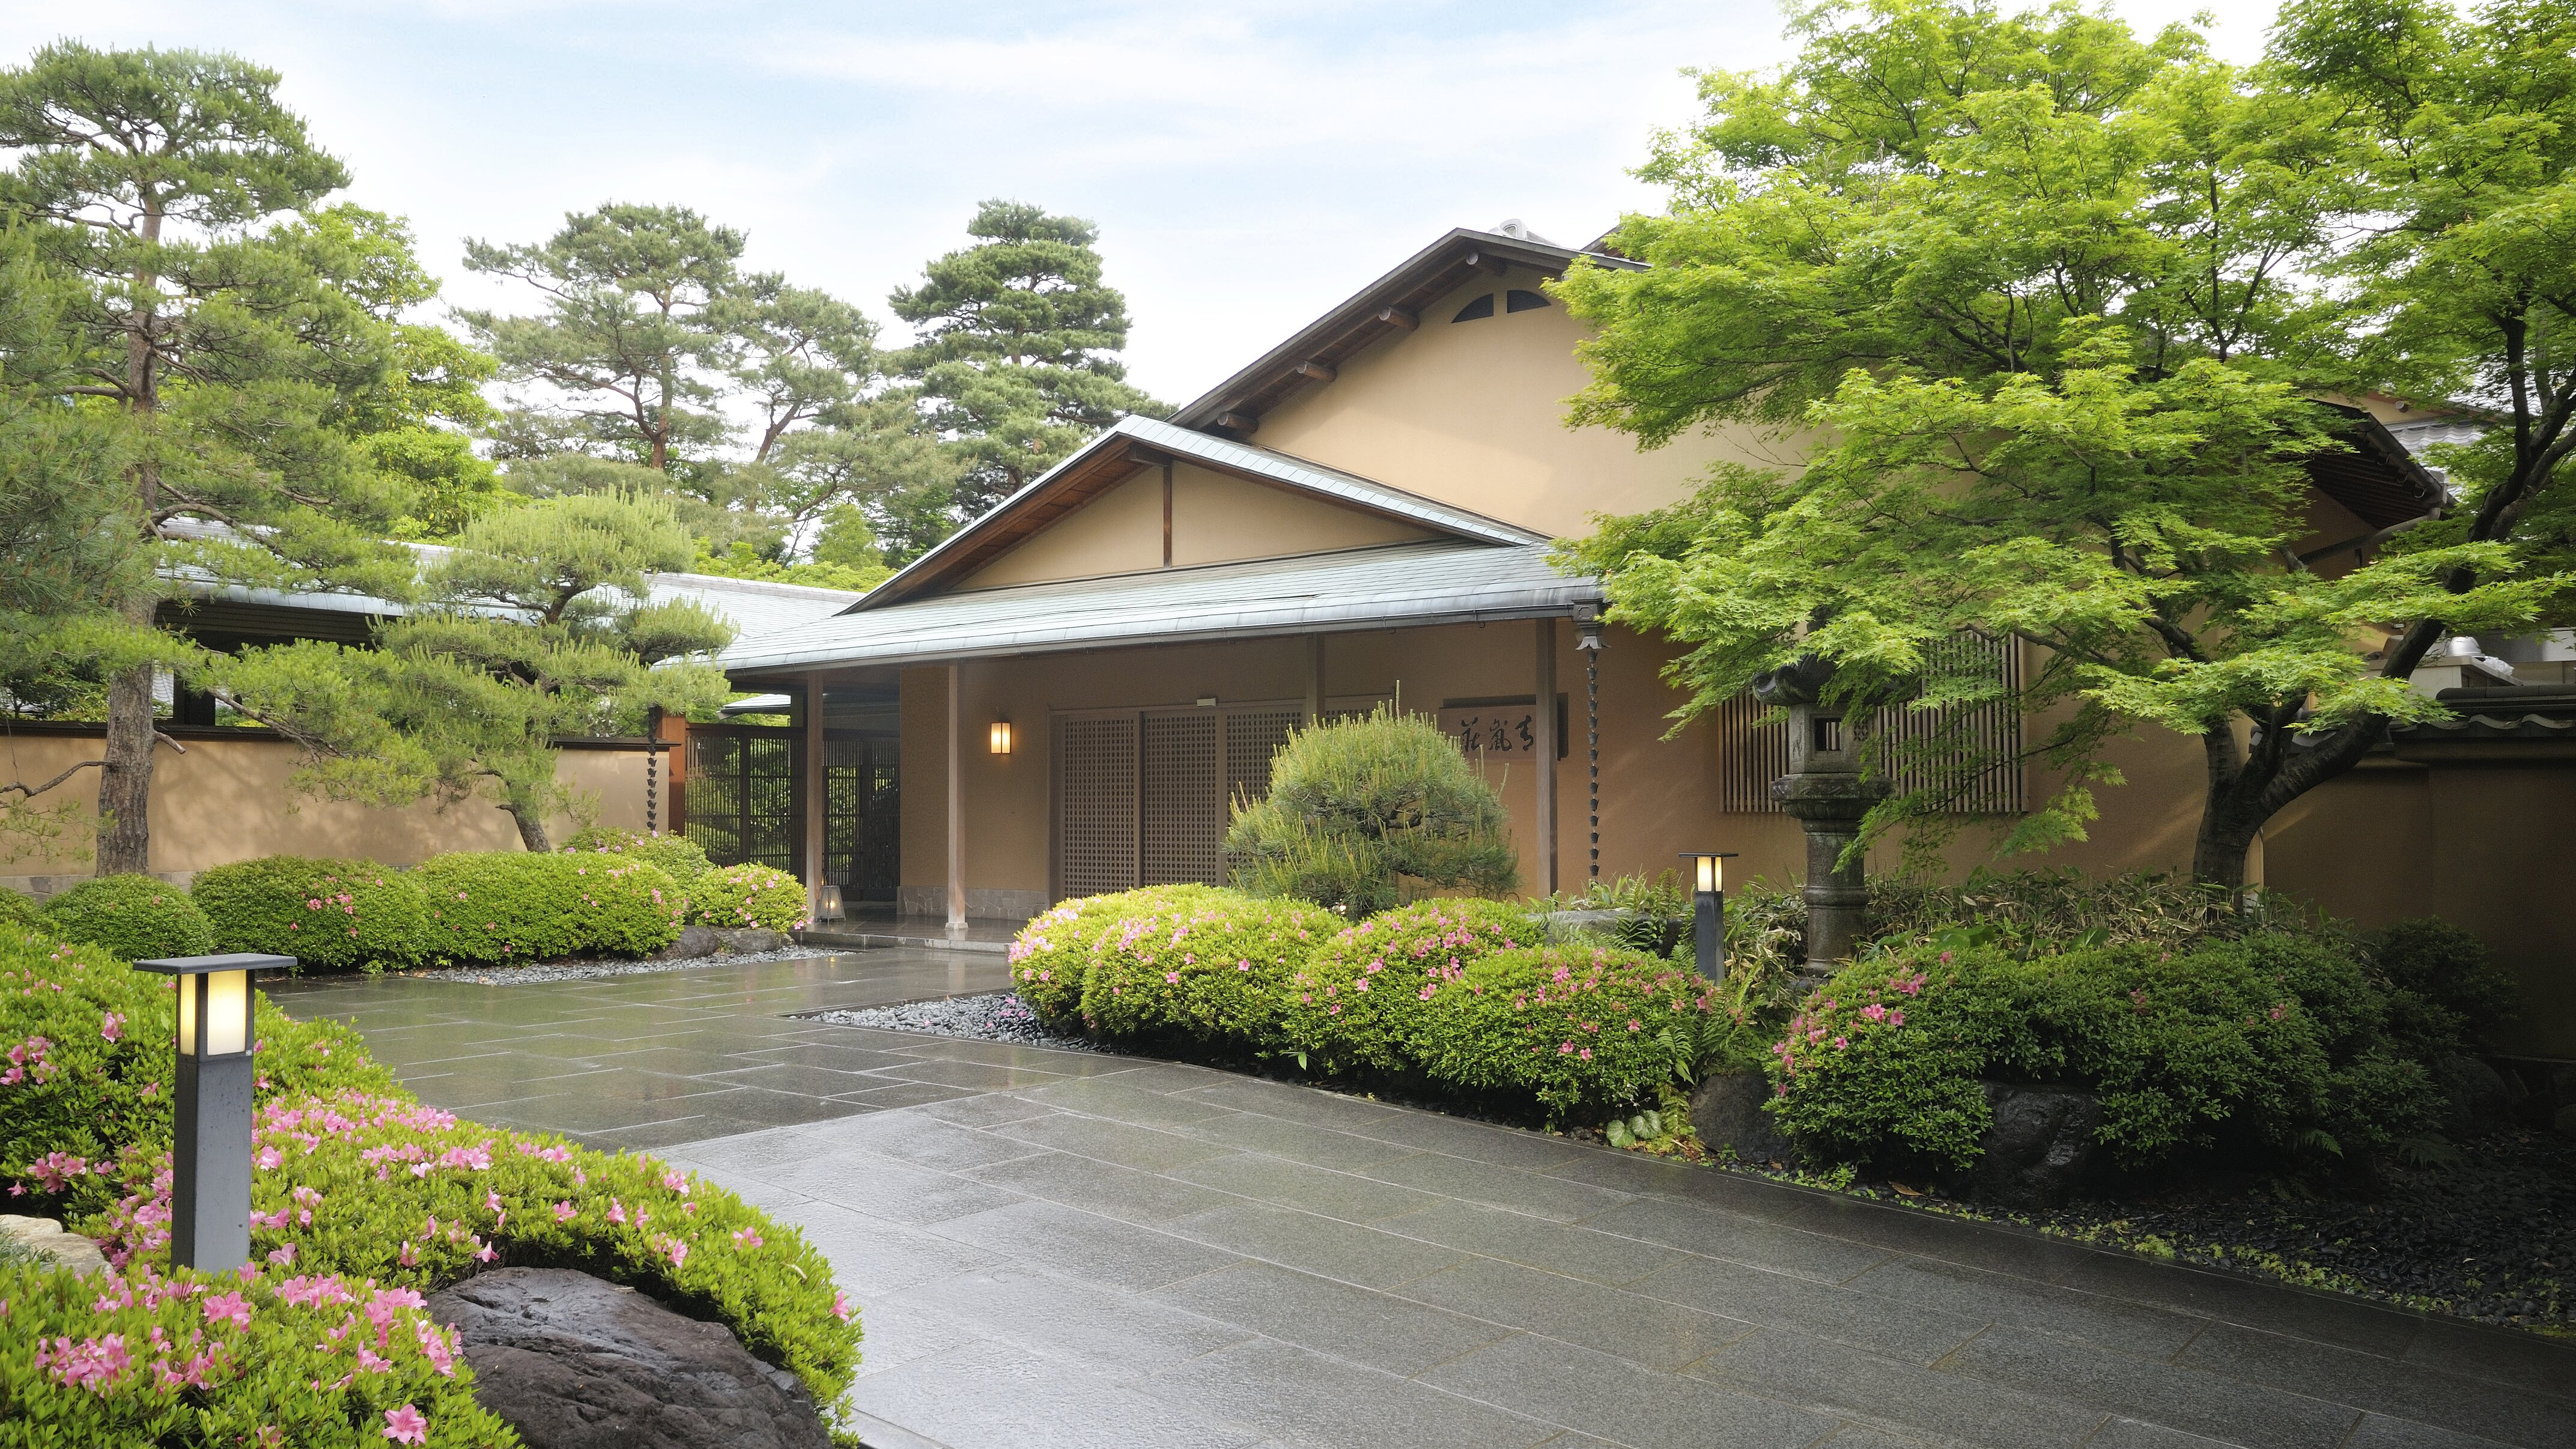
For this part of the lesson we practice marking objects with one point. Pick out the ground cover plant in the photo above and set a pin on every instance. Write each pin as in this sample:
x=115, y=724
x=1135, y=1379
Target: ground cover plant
x=515, y=907
x=736, y=896
x=135, y=916
x=330, y=915
x=363, y=1200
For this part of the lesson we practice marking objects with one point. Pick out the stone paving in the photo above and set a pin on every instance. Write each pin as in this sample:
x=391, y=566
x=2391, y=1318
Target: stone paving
x=1074, y=1249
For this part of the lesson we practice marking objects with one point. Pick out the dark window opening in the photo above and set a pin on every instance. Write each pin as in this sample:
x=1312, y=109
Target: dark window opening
x=1517, y=300
x=1482, y=307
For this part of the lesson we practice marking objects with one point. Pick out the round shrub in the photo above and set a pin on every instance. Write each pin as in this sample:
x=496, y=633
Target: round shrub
x=1215, y=967
x=2445, y=992
x=132, y=916
x=732, y=896
x=681, y=858
x=1364, y=998
x=1051, y=955
x=18, y=909
x=1363, y=811
x=1576, y=1029
x=513, y=907
x=2270, y=1048
x=330, y=915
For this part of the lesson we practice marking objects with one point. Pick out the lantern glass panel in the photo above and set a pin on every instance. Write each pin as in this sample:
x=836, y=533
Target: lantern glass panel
x=227, y=1012
x=188, y=988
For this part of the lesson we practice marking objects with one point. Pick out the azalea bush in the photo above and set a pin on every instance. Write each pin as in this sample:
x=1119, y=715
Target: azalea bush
x=736, y=896
x=330, y=915
x=363, y=1201
x=1051, y=956
x=1365, y=996
x=510, y=907
x=2270, y=1049
x=1579, y=1029
x=1214, y=966
x=137, y=917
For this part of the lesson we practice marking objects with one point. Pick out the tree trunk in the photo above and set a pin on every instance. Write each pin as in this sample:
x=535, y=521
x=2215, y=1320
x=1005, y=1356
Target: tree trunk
x=2218, y=855
x=125, y=783
x=532, y=829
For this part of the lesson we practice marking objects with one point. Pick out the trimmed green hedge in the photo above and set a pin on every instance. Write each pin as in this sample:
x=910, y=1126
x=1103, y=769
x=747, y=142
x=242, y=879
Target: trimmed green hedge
x=330, y=915
x=1365, y=997
x=683, y=859
x=1051, y=955
x=135, y=917
x=510, y=907
x=1570, y=1026
x=736, y=896
x=1215, y=967
x=363, y=1200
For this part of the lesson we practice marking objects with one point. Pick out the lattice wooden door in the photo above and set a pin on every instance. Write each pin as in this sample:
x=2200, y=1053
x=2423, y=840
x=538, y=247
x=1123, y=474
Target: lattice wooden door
x=1184, y=800
x=1096, y=816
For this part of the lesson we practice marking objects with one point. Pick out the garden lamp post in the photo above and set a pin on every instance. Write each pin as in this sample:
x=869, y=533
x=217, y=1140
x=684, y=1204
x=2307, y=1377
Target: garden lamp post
x=211, y=1158
x=1708, y=913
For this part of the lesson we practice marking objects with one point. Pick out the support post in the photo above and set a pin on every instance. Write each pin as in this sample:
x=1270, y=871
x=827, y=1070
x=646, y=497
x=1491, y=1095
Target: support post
x=1545, y=822
x=1314, y=680
x=956, y=805
x=674, y=729
x=814, y=796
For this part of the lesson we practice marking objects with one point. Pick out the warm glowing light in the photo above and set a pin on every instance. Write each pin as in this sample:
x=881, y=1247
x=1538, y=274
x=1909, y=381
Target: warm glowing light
x=1001, y=737
x=1708, y=869
x=227, y=1012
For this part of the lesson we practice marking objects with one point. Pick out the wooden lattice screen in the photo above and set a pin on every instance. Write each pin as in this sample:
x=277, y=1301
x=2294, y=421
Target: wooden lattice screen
x=1252, y=736
x=1183, y=800
x=1982, y=777
x=1096, y=817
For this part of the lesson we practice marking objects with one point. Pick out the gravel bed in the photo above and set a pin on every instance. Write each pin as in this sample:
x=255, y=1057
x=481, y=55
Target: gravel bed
x=590, y=968
x=993, y=1016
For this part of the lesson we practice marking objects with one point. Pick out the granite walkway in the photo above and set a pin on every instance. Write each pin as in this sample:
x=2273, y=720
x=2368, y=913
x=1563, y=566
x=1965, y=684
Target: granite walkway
x=1071, y=1249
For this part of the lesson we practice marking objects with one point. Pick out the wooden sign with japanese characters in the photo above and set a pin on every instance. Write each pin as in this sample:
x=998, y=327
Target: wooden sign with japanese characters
x=1505, y=730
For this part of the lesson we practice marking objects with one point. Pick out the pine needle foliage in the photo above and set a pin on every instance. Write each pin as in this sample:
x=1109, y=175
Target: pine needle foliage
x=1365, y=813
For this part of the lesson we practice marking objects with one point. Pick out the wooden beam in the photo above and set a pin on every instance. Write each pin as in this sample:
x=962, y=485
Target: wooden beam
x=1399, y=317
x=1483, y=263
x=1544, y=821
x=1316, y=371
x=956, y=807
x=812, y=704
x=1244, y=423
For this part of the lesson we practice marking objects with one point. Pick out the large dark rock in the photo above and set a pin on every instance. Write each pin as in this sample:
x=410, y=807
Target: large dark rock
x=2035, y=1153
x=2476, y=1091
x=575, y=1363
x=695, y=941
x=751, y=938
x=1726, y=1111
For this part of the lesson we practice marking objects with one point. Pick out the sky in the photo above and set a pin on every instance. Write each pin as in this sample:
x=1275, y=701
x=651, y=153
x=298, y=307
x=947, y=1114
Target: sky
x=1249, y=165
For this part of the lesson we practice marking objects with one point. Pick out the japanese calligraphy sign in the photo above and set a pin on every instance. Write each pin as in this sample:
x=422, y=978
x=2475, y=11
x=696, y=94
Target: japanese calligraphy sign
x=1498, y=729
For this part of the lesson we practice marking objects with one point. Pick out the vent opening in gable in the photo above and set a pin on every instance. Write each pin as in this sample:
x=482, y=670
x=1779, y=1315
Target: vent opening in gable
x=1482, y=307
x=1518, y=301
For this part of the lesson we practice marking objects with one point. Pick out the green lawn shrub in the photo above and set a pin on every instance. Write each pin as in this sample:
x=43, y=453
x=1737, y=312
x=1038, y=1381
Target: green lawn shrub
x=2445, y=992
x=1051, y=955
x=736, y=896
x=681, y=858
x=330, y=915
x=1365, y=812
x=1581, y=1030
x=513, y=907
x=2271, y=1049
x=353, y=1181
x=1215, y=967
x=19, y=909
x=1364, y=997
x=135, y=917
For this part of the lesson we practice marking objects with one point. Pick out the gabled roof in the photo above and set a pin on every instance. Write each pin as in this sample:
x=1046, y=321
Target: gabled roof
x=1111, y=458
x=1405, y=585
x=2379, y=479
x=1392, y=303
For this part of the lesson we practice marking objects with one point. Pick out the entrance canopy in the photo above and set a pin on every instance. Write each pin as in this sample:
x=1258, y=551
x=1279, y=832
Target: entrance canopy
x=1396, y=586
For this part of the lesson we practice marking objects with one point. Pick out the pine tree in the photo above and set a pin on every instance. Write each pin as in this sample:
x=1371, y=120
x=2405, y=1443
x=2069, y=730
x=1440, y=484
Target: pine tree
x=1016, y=360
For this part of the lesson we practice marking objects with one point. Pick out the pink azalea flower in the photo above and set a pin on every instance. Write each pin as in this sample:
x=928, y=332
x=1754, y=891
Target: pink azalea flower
x=746, y=1238
x=841, y=1306
x=406, y=1425
x=227, y=1308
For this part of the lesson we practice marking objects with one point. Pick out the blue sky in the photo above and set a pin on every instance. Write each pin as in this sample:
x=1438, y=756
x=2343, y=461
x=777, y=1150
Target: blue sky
x=1249, y=165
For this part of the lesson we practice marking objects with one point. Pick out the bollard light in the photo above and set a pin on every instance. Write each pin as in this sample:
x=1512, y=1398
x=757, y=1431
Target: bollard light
x=211, y=1156
x=828, y=905
x=1708, y=909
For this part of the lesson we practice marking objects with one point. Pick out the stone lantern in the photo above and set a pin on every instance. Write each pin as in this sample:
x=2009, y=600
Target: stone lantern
x=1825, y=790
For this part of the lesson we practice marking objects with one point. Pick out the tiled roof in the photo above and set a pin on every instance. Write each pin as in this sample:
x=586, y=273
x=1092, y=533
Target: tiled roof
x=1399, y=585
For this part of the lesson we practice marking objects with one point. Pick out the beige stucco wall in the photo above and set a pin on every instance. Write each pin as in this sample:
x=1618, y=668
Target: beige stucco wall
x=228, y=799
x=1473, y=413
x=1216, y=518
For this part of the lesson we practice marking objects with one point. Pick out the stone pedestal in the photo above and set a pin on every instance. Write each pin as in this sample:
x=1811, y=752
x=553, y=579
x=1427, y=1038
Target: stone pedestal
x=1830, y=806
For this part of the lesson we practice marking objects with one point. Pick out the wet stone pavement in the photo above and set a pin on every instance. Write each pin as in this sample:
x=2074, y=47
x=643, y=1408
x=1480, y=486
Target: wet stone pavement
x=1076, y=1249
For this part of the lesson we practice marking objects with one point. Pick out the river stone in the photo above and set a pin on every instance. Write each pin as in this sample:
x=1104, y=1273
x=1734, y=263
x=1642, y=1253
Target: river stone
x=2035, y=1152
x=576, y=1363
x=695, y=941
x=751, y=938
x=1726, y=1111
x=46, y=1238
